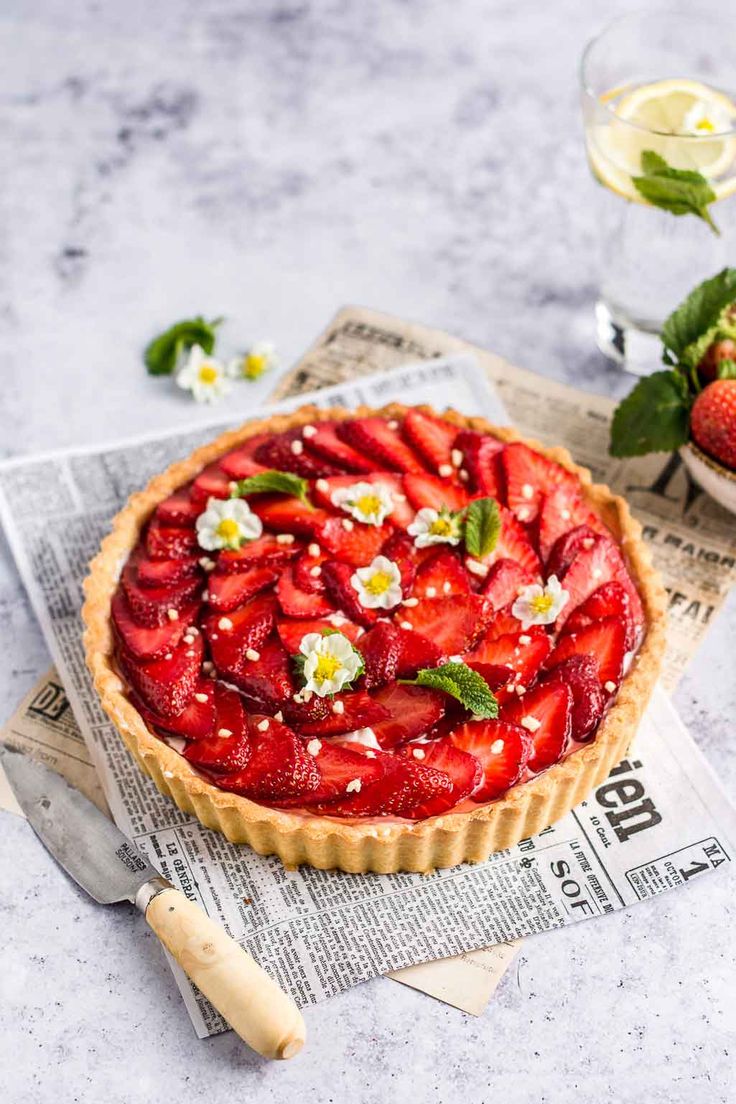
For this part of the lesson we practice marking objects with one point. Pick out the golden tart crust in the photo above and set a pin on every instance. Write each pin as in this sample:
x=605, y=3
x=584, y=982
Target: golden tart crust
x=358, y=845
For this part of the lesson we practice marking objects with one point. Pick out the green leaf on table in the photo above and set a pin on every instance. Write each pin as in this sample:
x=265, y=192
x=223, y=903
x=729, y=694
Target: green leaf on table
x=691, y=323
x=482, y=527
x=460, y=682
x=654, y=417
x=273, y=482
x=679, y=191
x=162, y=354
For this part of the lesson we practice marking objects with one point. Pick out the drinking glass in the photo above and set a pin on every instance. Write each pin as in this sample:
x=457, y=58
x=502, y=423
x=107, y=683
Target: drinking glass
x=663, y=82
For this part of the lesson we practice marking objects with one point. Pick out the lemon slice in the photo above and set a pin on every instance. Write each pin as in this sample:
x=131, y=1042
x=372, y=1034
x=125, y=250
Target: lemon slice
x=673, y=118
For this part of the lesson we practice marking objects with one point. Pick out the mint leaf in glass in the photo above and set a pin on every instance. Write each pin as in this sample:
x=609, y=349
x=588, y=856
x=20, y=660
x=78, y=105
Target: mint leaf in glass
x=679, y=191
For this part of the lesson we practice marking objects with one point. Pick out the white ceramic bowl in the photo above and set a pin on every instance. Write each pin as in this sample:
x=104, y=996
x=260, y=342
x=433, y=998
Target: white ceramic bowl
x=716, y=480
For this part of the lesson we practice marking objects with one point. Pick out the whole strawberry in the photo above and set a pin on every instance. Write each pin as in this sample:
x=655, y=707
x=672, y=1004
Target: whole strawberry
x=713, y=421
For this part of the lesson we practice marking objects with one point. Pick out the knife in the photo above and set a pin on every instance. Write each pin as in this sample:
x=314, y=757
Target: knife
x=111, y=869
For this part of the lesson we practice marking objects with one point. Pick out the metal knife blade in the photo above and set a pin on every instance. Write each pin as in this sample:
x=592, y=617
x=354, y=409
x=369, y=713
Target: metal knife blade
x=89, y=846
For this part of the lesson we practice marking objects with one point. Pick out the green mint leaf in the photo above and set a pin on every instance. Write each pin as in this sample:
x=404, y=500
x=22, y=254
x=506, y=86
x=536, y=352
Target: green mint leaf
x=654, y=417
x=275, y=482
x=161, y=354
x=482, y=527
x=727, y=369
x=679, y=191
x=694, y=319
x=460, y=682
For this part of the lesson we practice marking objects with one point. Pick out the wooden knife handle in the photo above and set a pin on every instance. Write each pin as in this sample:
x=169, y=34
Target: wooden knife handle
x=263, y=1015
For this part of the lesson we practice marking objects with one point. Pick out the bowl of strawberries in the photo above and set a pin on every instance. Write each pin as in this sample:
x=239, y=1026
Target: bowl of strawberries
x=690, y=406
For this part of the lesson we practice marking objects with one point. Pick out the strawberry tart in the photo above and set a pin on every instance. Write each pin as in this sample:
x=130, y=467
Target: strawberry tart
x=375, y=640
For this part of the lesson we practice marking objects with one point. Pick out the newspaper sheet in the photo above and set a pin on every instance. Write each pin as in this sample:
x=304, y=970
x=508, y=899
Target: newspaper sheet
x=659, y=821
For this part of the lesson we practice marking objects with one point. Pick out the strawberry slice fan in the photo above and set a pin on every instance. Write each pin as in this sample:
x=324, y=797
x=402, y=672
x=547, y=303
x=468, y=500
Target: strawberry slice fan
x=391, y=640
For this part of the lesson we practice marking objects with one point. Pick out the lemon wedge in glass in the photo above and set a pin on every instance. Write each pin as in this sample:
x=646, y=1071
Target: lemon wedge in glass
x=689, y=124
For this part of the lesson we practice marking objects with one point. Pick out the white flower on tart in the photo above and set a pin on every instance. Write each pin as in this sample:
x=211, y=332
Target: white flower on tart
x=540, y=605
x=227, y=523
x=330, y=663
x=378, y=585
x=435, y=527
x=369, y=503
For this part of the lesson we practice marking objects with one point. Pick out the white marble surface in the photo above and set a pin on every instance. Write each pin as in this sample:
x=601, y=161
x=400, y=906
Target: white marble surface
x=272, y=161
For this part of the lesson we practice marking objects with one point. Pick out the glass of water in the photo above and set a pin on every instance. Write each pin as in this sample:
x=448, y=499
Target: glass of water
x=658, y=94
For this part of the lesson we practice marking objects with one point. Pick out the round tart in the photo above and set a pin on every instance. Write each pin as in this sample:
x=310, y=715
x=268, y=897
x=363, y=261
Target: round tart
x=417, y=640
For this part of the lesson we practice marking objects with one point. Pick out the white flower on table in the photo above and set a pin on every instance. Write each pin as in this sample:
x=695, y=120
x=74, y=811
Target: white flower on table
x=378, y=585
x=370, y=503
x=260, y=358
x=435, y=527
x=540, y=605
x=227, y=523
x=203, y=375
x=330, y=662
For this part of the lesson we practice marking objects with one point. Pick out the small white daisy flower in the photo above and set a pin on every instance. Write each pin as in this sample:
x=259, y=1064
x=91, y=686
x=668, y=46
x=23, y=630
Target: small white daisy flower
x=540, y=605
x=260, y=358
x=706, y=118
x=370, y=503
x=203, y=375
x=435, y=527
x=227, y=523
x=379, y=584
x=330, y=663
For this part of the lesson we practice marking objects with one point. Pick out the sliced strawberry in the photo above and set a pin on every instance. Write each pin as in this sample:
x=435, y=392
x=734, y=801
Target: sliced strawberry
x=325, y=443
x=604, y=640
x=595, y=565
x=609, y=600
x=503, y=749
x=166, y=685
x=545, y=712
x=495, y=674
x=504, y=581
x=561, y=511
x=296, y=602
x=580, y=672
x=285, y=452
x=212, y=482
x=231, y=635
x=230, y=747
x=292, y=632
x=350, y=541
x=406, y=789
x=148, y=643
x=266, y=551
x=464, y=770
x=523, y=652
x=481, y=460
x=452, y=623
x=241, y=463
x=359, y=710
x=442, y=573
x=399, y=548
x=412, y=710
x=424, y=490
x=267, y=681
x=341, y=591
x=179, y=509
x=567, y=546
x=150, y=606
x=416, y=651
x=308, y=570
x=341, y=766
x=279, y=767
x=158, y=573
x=164, y=542
x=381, y=649
x=529, y=476
x=502, y=623
x=375, y=438
x=287, y=515
x=227, y=592
x=196, y=721
x=431, y=437
x=514, y=544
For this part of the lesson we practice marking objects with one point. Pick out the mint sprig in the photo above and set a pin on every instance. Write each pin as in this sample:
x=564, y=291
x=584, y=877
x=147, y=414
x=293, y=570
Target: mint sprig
x=274, y=482
x=460, y=682
x=679, y=191
x=482, y=527
x=162, y=354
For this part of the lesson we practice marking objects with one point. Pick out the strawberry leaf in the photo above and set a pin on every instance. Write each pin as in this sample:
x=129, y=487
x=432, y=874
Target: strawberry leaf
x=460, y=682
x=482, y=527
x=697, y=315
x=162, y=354
x=275, y=482
x=654, y=417
x=727, y=369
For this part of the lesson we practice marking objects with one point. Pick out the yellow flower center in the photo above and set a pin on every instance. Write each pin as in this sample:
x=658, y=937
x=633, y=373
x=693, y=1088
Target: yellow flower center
x=542, y=603
x=228, y=529
x=254, y=365
x=327, y=667
x=378, y=583
x=705, y=124
x=207, y=373
x=442, y=527
x=368, y=504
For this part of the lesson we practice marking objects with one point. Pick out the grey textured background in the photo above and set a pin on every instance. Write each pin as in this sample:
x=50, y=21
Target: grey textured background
x=272, y=162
